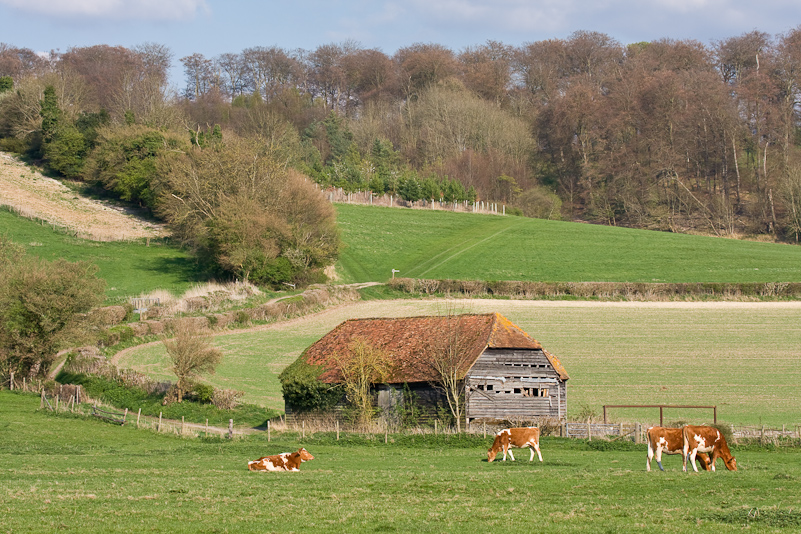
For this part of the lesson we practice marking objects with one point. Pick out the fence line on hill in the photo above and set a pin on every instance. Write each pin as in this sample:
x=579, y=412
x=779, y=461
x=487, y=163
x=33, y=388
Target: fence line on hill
x=367, y=198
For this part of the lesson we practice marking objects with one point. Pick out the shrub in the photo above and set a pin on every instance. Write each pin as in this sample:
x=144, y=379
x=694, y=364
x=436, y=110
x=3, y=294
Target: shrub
x=303, y=389
x=226, y=399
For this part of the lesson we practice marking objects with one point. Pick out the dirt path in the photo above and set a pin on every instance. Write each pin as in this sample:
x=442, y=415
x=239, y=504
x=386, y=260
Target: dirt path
x=31, y=194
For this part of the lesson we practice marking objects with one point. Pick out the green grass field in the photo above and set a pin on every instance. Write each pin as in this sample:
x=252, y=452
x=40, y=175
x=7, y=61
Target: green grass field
x=423, y=244
x=129, y=268
x=435, y=244
x=62, y=473
x=742, y=357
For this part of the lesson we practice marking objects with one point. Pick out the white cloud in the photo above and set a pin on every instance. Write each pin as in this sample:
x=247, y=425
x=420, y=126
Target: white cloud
x=112, y=9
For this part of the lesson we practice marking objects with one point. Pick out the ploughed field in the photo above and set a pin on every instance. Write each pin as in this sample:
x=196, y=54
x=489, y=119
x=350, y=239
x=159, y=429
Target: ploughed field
x=63, y=473
x=740, y=356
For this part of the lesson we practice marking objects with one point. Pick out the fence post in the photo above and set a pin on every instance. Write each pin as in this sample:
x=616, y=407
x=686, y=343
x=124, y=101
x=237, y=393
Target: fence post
x=78, y=394
x=182, y=425
x=57, y=399
x=268, y=431
x=11, y=381
x=435, y=427
x=637, y=433
x=337, y=429
x=138, y=415
x=158, y=428
x=230, y=429
x=303, y=428
x=207, y=427
x=485, y=430
x=124, y=416
x=41, y=402
x=620, y=432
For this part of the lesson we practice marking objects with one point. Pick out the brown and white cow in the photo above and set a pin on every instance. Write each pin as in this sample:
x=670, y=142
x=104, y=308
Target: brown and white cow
x=698, y=439
x=515, y=437
x=668, y=441
x=286, y=461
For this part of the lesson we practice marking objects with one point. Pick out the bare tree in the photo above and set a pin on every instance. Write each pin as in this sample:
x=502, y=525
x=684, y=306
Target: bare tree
x=449, y=358
x=192, y=355
x=361, y=367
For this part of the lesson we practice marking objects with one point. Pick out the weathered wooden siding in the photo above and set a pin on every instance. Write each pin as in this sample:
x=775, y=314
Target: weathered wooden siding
x=514, y=384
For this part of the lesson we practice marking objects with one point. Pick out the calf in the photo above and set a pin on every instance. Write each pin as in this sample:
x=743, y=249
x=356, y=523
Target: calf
x=698, y=439
x=286, y=461
x=515, y=437
x=668, y=441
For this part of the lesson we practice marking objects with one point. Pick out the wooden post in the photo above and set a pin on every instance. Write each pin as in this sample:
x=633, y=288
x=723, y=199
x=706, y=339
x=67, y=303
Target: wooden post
x=637, y=433
x=386, y=434
x=761, y=434
x=41, y=402
x=589, y=430
x=435, y=427
x=11, y=382
x=182, y=425
x=230, y=429
x=268, y=431
x=620, y=432
x=563, y=430
x=207, y=427
x=78, y=394
x=138, y=415
x=485, y=430
x=58, y=399
x=337, y=429
x=124, y=416
x=303, y=428
x=158, y=428
x=24, y=386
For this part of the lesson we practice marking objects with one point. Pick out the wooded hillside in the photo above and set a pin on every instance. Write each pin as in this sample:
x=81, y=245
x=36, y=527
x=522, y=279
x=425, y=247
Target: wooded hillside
x=670, y=135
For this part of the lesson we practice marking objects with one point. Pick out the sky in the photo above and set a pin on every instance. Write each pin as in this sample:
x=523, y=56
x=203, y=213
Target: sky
x=213, y=27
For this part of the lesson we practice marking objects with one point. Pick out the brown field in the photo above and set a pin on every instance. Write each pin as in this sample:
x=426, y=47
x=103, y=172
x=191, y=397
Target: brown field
x=742, y=357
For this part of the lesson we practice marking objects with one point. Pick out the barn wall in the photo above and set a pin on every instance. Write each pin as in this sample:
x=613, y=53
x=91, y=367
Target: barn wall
x=514, y=384
x=410, y=404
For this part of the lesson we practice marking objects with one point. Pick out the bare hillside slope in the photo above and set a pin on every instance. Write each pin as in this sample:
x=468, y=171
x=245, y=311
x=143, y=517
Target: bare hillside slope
x=34, y=195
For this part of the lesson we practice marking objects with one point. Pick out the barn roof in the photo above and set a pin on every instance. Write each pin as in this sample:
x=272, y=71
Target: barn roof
x=408, y=339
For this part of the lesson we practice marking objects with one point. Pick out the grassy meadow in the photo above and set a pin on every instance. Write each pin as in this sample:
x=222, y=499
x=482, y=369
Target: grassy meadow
x=463, y=246
x=64, y=473
x=742, y=357
x=129, y=268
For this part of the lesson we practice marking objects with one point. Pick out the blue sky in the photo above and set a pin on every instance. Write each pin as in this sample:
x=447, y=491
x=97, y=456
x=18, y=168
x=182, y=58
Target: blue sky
x=212, y=27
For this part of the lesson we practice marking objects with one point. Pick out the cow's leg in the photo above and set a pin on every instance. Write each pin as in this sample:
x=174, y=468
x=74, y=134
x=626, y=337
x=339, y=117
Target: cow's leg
x=692, y=459
x=659, y=457
x=649, y=457
x=712, y=458
x=505, y=451
x=539, y=454
x=512, y=456
x=684, y=453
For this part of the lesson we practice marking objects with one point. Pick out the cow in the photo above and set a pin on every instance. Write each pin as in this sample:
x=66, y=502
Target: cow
x=515, y=437
x=668, y=441
x=286, y=461
x=707, y=439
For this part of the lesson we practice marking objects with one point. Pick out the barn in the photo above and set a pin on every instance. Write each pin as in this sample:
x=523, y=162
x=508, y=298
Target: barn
x=507, y=375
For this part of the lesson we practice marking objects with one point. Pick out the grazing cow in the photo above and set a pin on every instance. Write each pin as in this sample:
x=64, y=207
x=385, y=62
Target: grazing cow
x=667, y=441
x=707, y=439
x=515, y=437
x=286, y=461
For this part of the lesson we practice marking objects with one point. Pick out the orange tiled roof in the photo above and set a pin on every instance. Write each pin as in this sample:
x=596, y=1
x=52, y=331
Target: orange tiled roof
x=408, y=339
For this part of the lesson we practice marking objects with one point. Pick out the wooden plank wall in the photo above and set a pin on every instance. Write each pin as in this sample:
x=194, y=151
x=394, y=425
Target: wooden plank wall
x=523, y=370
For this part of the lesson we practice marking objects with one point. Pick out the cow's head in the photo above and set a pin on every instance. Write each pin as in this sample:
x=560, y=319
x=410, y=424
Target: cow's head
x=491, y=454
x=305, y=455
x=731, y=463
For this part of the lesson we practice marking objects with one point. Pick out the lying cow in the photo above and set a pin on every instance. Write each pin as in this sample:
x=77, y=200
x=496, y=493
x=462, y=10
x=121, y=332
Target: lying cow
x=698, y=439
x=515, y=437
x=286, y=461
x=668, y=441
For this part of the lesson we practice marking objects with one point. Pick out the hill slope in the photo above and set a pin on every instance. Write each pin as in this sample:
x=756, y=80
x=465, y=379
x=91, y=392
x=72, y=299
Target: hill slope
x=435, y=244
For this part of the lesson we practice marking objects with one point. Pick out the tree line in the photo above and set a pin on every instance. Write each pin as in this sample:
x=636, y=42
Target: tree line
x=670, y=134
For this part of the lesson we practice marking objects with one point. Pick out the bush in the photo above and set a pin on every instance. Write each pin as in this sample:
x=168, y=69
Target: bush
x=303, y=389
x=203, y=393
